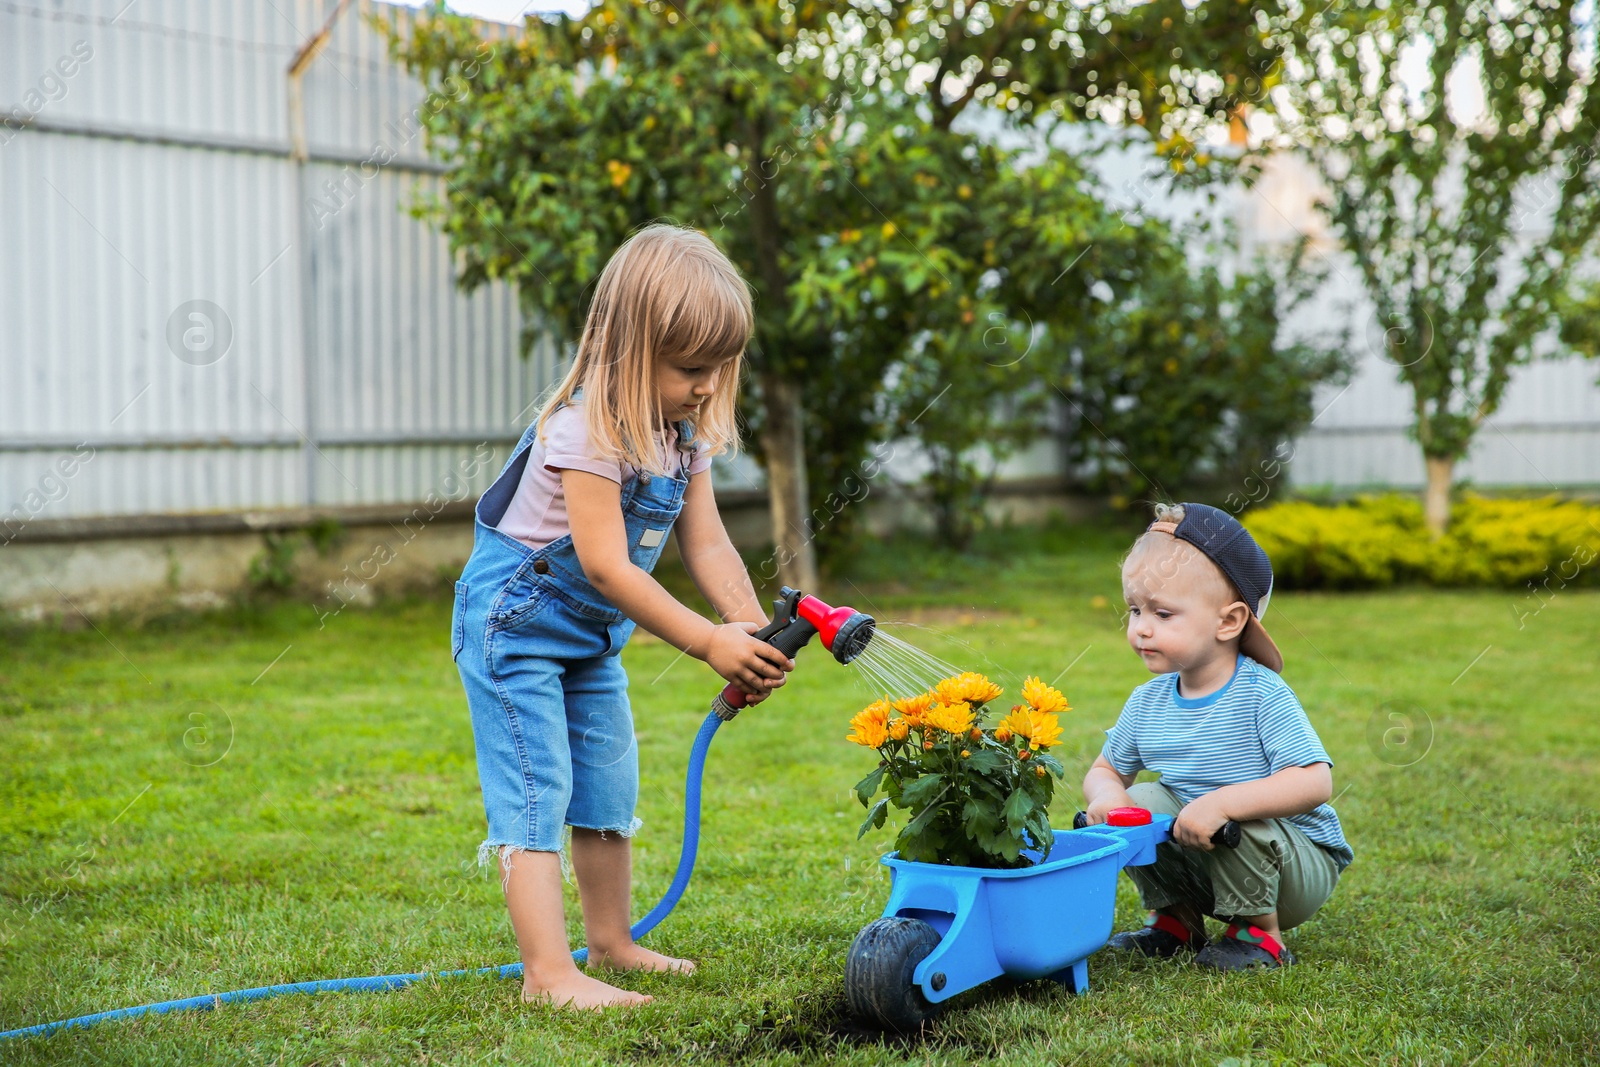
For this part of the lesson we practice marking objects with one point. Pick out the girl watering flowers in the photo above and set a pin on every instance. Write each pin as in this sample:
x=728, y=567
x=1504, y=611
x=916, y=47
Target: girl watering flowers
x=560, y=572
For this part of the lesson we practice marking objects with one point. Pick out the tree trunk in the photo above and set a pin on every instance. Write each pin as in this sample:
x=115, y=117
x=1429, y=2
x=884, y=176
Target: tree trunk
x=783, y=437
x=1436, y=497
x=784, y=442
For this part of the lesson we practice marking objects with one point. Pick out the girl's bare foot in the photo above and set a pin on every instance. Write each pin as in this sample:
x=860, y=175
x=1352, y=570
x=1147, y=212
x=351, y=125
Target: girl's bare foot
x=578, y=991
x=638, y=958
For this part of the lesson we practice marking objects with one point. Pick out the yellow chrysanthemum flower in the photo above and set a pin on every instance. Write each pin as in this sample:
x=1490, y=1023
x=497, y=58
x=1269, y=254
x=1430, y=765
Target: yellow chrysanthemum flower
x=898, y=729
x=870, y=727
x=968, y=687
x=1046, y=730
x=1018, y=724
x=1041, y=697
x=914, y=708
x=955, y=718
x=1042, y=729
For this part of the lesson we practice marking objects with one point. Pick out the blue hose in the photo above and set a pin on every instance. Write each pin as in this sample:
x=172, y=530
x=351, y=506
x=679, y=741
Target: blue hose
x=382, y=983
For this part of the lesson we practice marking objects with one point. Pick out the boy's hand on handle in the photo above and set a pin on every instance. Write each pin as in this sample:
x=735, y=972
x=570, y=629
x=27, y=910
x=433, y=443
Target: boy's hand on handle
x=1104, y=788
x=1095, y=813
x=754, y=666
x=1198, y=823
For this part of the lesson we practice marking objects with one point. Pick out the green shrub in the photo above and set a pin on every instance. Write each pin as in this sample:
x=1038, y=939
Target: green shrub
x=1375, y=541
x=273, y=570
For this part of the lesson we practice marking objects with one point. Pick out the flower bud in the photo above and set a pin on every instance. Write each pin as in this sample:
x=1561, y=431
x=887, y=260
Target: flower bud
x=927, y=746
x=1023, y=753
x=1002, y=735
x=965, y=754
x=1039, y=771
x=975, y=734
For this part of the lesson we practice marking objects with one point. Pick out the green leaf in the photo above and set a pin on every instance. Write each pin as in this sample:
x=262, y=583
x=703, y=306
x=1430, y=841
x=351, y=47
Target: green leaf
x=1044, y=842
x=875, y=818
x=922, y=791
x=921, y=847
x=869, y=785
x=1019, y=805
x=1039, y=830
x=992, y=792
x=988, y=761
x=981, y=821
x=923, y=820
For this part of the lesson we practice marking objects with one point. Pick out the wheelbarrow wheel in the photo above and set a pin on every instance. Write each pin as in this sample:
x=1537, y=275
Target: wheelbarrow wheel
x=877, y=975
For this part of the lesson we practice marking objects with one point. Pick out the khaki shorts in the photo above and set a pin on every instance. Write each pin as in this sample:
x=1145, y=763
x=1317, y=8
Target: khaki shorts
x=1275, y=868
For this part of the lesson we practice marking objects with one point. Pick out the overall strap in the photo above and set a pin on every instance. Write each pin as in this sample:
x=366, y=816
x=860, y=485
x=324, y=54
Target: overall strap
x=686, y=446
x=491, y=506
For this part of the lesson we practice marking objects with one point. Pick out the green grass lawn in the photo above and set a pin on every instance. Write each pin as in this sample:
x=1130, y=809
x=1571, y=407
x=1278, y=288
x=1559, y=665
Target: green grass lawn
x=246, y=799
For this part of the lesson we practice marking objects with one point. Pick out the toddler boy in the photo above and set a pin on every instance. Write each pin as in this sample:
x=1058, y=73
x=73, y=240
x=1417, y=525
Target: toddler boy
x=1230, y=741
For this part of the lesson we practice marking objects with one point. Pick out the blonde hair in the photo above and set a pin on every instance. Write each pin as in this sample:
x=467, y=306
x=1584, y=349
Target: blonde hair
x=1175, y=556
x=667, y=292
x=1172, y=513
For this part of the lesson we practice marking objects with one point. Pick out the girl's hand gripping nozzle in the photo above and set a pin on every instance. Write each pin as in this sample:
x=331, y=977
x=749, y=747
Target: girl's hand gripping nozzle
x=796, y=618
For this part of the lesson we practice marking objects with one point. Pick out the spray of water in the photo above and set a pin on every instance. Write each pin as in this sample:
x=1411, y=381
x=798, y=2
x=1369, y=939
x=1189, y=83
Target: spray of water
x=890, y=666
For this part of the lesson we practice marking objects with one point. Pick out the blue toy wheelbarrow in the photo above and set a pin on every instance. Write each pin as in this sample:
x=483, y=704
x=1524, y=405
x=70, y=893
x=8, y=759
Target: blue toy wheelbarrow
x=946, y=930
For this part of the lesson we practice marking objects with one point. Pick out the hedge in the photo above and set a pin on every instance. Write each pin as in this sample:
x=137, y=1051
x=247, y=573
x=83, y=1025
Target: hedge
x=1375, y=541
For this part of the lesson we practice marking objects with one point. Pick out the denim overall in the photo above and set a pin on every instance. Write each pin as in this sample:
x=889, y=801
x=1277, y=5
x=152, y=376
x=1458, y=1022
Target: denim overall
x=538, y=649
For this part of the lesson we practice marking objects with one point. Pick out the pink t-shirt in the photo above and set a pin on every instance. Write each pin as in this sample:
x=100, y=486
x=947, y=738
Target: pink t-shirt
x=537, y=514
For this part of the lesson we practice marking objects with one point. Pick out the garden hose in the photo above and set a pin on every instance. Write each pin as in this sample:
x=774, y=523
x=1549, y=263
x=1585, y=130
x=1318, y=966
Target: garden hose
x=796, y=619
x=380, y=983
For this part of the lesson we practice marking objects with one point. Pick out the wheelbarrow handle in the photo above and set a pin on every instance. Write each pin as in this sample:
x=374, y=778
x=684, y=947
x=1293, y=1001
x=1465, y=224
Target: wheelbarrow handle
x=1227, y=835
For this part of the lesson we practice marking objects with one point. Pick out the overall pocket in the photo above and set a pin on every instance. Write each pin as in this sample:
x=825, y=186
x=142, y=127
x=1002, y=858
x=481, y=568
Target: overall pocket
x=650, y=510
x=648, y=528
x=518, y=602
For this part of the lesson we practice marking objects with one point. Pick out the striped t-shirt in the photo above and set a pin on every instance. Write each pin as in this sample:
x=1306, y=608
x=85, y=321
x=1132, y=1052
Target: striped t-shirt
x=1249, y=729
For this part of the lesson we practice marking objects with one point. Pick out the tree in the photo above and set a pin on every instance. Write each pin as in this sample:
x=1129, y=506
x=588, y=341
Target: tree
x=991, y=399
x=1449, y=133
x=1189, y=379
x=819, y=144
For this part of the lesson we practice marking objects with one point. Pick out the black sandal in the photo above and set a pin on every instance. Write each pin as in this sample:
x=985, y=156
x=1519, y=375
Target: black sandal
x=1245, y=948
x=1163, y=937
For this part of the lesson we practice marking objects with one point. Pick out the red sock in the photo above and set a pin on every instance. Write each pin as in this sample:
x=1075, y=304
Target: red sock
x=1171, y=926
x=1254, y=935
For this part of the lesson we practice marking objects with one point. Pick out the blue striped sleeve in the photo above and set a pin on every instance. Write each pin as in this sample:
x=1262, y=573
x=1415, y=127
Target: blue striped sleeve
x=1287, y=736
x=1121, y=748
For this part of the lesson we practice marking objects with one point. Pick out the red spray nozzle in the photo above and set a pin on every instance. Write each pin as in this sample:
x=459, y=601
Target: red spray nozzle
x=831, y=621
x=796, y=618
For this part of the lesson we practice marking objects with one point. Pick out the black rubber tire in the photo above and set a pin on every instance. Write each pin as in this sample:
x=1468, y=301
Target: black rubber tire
x=877, y=974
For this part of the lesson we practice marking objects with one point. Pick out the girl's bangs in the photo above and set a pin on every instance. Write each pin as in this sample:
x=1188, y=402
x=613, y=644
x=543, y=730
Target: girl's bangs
x=707, y=319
